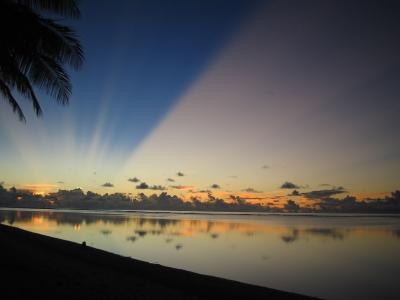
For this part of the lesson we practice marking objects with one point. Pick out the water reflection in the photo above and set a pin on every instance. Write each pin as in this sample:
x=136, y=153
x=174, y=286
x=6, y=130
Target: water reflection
x=297, y=234
x=176, y=227
x=131, y=238
x=396, y=233
x=284, y=252
x=292, y=237
x=214, y=235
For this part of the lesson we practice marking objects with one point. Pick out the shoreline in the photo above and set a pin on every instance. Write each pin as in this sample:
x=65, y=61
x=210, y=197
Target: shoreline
x=216, y=213
x=39, y=267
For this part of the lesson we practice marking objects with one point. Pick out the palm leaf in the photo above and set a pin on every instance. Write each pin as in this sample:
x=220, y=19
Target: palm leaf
x=67, y=8
x=34, y=49
x=11, y=100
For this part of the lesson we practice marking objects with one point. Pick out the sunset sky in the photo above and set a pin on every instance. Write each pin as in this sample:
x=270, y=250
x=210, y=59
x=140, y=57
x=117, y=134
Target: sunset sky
x=235, y=97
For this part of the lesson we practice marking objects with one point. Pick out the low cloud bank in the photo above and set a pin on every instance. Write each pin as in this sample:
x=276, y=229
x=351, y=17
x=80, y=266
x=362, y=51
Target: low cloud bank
x=78, y=199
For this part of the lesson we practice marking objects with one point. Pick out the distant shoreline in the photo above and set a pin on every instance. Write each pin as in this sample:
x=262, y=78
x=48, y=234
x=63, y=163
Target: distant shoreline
x=216, y=213
x=38, y=267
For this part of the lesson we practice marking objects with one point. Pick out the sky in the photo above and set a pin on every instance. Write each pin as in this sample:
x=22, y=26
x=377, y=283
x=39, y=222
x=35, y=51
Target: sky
x=233, y=97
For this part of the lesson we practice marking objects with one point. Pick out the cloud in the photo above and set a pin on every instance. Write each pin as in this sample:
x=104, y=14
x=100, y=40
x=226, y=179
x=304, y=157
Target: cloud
x=134, y=179
x=157, y=188
x=323, y=194
x=200, y=191
x=233, y=176
x=142, y=186
x=238, y=197
x=215, y=186
x=289, y=185
x=170, y=180
x=325, y=184
x=251, y=190
x=145, y=186
x=180, y=174
x=107, y=184
x=295, y=193
x=265, y=167
x=291, y=206
x=182, y=187
x=59, y=182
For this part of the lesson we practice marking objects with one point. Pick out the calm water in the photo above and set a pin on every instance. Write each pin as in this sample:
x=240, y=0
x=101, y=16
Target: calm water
x=334, y=257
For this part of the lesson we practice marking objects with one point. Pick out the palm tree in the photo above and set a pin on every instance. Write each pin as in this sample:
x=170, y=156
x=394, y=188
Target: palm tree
x=34, y=50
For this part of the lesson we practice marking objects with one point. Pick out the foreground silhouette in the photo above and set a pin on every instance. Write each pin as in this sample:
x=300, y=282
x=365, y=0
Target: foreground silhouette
x=78, y=199
x=40, y=267
x=34, y=50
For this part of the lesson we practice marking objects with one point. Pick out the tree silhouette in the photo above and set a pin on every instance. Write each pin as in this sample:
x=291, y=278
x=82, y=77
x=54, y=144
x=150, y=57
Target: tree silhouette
x=34, y=50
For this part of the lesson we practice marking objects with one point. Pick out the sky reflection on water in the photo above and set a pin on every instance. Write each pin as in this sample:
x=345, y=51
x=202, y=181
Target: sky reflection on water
x=343, y=257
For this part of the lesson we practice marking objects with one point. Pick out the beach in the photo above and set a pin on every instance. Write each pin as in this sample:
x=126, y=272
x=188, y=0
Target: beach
x=45, y=267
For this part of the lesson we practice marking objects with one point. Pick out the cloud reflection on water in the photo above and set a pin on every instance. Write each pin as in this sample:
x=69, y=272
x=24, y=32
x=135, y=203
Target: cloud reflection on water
x=240, y=247
x=150, y=225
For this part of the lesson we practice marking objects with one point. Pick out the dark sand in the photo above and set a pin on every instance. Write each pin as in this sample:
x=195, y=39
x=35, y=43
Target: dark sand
x=35, y=266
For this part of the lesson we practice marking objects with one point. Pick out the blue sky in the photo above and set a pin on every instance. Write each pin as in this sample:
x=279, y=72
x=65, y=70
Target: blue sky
x=218, y=89
x=142, y=55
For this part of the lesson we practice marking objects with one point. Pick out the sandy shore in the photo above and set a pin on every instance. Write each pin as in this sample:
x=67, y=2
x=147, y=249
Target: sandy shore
x=35, y=266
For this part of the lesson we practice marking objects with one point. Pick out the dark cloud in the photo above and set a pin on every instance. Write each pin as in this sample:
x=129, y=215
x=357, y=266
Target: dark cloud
x=251, y=190
x=323, y=194
x=77, y=198
x=201, y=191
x=59, y=182
x=325, y=184
x=246, y=198
x=181, y=187
x=265, y=167
x=142, y=186
x=295, y=193
x=107, y=184
x=134, y=179
x=180, y=174
x=157, y=188
x=291, y=206
x=233, y=176
x=170, y=180
x=289, y=185
x=215, y=186
x=145, y=186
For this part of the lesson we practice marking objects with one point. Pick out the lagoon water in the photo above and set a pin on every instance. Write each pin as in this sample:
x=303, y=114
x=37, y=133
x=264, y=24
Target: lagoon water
x=328, y=256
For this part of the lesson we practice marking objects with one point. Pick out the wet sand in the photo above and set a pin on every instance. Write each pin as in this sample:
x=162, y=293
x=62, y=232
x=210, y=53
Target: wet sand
x=35, y=266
